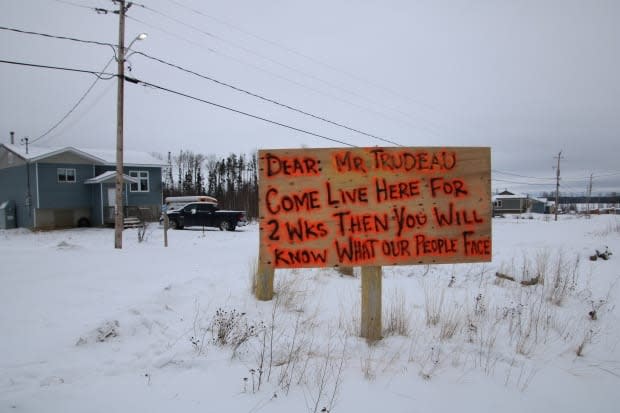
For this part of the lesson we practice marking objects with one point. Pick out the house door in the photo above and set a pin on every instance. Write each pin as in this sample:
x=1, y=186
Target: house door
x=111, y=197
x=110, y=212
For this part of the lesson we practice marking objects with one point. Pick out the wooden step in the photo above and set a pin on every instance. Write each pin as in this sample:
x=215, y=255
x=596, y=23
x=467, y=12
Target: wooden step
x=132, y=222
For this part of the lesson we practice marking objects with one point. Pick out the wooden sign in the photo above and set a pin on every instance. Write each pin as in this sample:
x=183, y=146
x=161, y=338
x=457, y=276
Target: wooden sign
x=374, y=206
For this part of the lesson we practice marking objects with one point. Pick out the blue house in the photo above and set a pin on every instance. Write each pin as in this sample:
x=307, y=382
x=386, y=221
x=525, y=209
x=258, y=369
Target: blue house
x=66, y=187
x=508, y=203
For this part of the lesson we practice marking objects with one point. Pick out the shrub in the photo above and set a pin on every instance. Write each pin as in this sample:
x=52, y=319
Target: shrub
x=232, y=328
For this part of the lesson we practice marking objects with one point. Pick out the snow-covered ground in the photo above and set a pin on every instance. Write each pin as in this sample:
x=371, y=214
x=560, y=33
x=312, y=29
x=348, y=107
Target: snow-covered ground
x=87, y=328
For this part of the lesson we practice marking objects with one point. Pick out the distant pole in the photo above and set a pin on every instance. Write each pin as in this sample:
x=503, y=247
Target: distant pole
x=28, y=191
x=589, y=196
x=118, y=207
x=169, y=174
x=166, y=226
x=557, y=186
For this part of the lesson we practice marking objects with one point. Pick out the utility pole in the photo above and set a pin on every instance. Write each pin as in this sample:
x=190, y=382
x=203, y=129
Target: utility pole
x=28, y=191
x=557, y=186
x=589, y=196
x=169, y=174
x=118, y=204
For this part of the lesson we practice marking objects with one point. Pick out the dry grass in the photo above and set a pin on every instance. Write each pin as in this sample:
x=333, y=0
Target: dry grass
x=346, y=271
x=397, y=318
x=253, y=272
x=433, y=305
x=563, y=279
x=451, y=322
x=291, y=292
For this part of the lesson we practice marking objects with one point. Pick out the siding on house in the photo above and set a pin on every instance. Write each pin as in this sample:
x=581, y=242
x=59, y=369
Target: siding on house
x=153, y=196
x=9, y=160
x=54, y=194
x=538, y=206
x=13, y=184
x=151, y=200
x=63, y=204
x=510, y=205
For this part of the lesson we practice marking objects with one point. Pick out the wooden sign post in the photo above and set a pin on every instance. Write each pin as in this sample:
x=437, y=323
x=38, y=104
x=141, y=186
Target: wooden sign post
x=372, y=207
x=371, y=303
x=264, y=281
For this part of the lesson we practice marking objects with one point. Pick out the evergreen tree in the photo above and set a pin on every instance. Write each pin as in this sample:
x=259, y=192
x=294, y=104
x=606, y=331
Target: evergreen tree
x=233, y=179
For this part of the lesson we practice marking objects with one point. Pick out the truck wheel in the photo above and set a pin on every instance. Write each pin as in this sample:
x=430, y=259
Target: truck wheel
x=224, y=226
x=231, y=227
x=174, y=224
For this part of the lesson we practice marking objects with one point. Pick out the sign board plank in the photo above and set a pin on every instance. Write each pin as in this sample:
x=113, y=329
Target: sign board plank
x=374, y=206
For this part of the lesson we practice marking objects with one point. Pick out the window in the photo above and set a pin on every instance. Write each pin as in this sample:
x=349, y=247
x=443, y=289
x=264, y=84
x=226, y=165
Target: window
x=143, y=184
x=497, y=203
x=66, y=175
x=205, y=208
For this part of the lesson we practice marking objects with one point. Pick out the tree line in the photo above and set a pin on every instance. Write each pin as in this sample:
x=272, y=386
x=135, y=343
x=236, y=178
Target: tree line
x=233, y=180
x=611, y=198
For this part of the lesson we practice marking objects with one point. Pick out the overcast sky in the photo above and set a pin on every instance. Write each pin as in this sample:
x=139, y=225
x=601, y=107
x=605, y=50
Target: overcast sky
x=527, y=78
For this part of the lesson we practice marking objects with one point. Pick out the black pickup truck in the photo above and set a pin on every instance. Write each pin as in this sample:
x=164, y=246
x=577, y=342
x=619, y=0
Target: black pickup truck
x=206, y=214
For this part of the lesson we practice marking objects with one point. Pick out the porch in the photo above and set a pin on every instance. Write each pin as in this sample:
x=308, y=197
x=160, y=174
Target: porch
x=144, y=213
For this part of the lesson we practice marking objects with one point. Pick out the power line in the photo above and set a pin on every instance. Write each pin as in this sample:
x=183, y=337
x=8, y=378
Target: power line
x=100, y=75
x=80, y=100
x=271, y=42
x=73, y=39
x=520, y=176
x=71, y=3
x=572, y=188
x=606, y=175
x=244, y=63
x=521, y=183
x=169, y=33
x=85, y=108
x=571, y=179
x=274, y=61
x=243, y=48
x=275, y=102
x=303, y=55
x=270, y=73
x=273, y=122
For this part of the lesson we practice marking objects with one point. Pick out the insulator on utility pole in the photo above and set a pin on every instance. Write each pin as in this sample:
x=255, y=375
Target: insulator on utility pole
x=25, y=142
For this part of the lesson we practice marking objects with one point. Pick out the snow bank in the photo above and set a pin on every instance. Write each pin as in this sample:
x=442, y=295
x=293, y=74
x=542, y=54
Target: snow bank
x=86, y=327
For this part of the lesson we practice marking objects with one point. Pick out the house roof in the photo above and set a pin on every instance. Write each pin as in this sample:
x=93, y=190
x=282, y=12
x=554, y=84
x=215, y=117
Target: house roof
x=518, y=196
x=97, y=156
x=512, y=196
